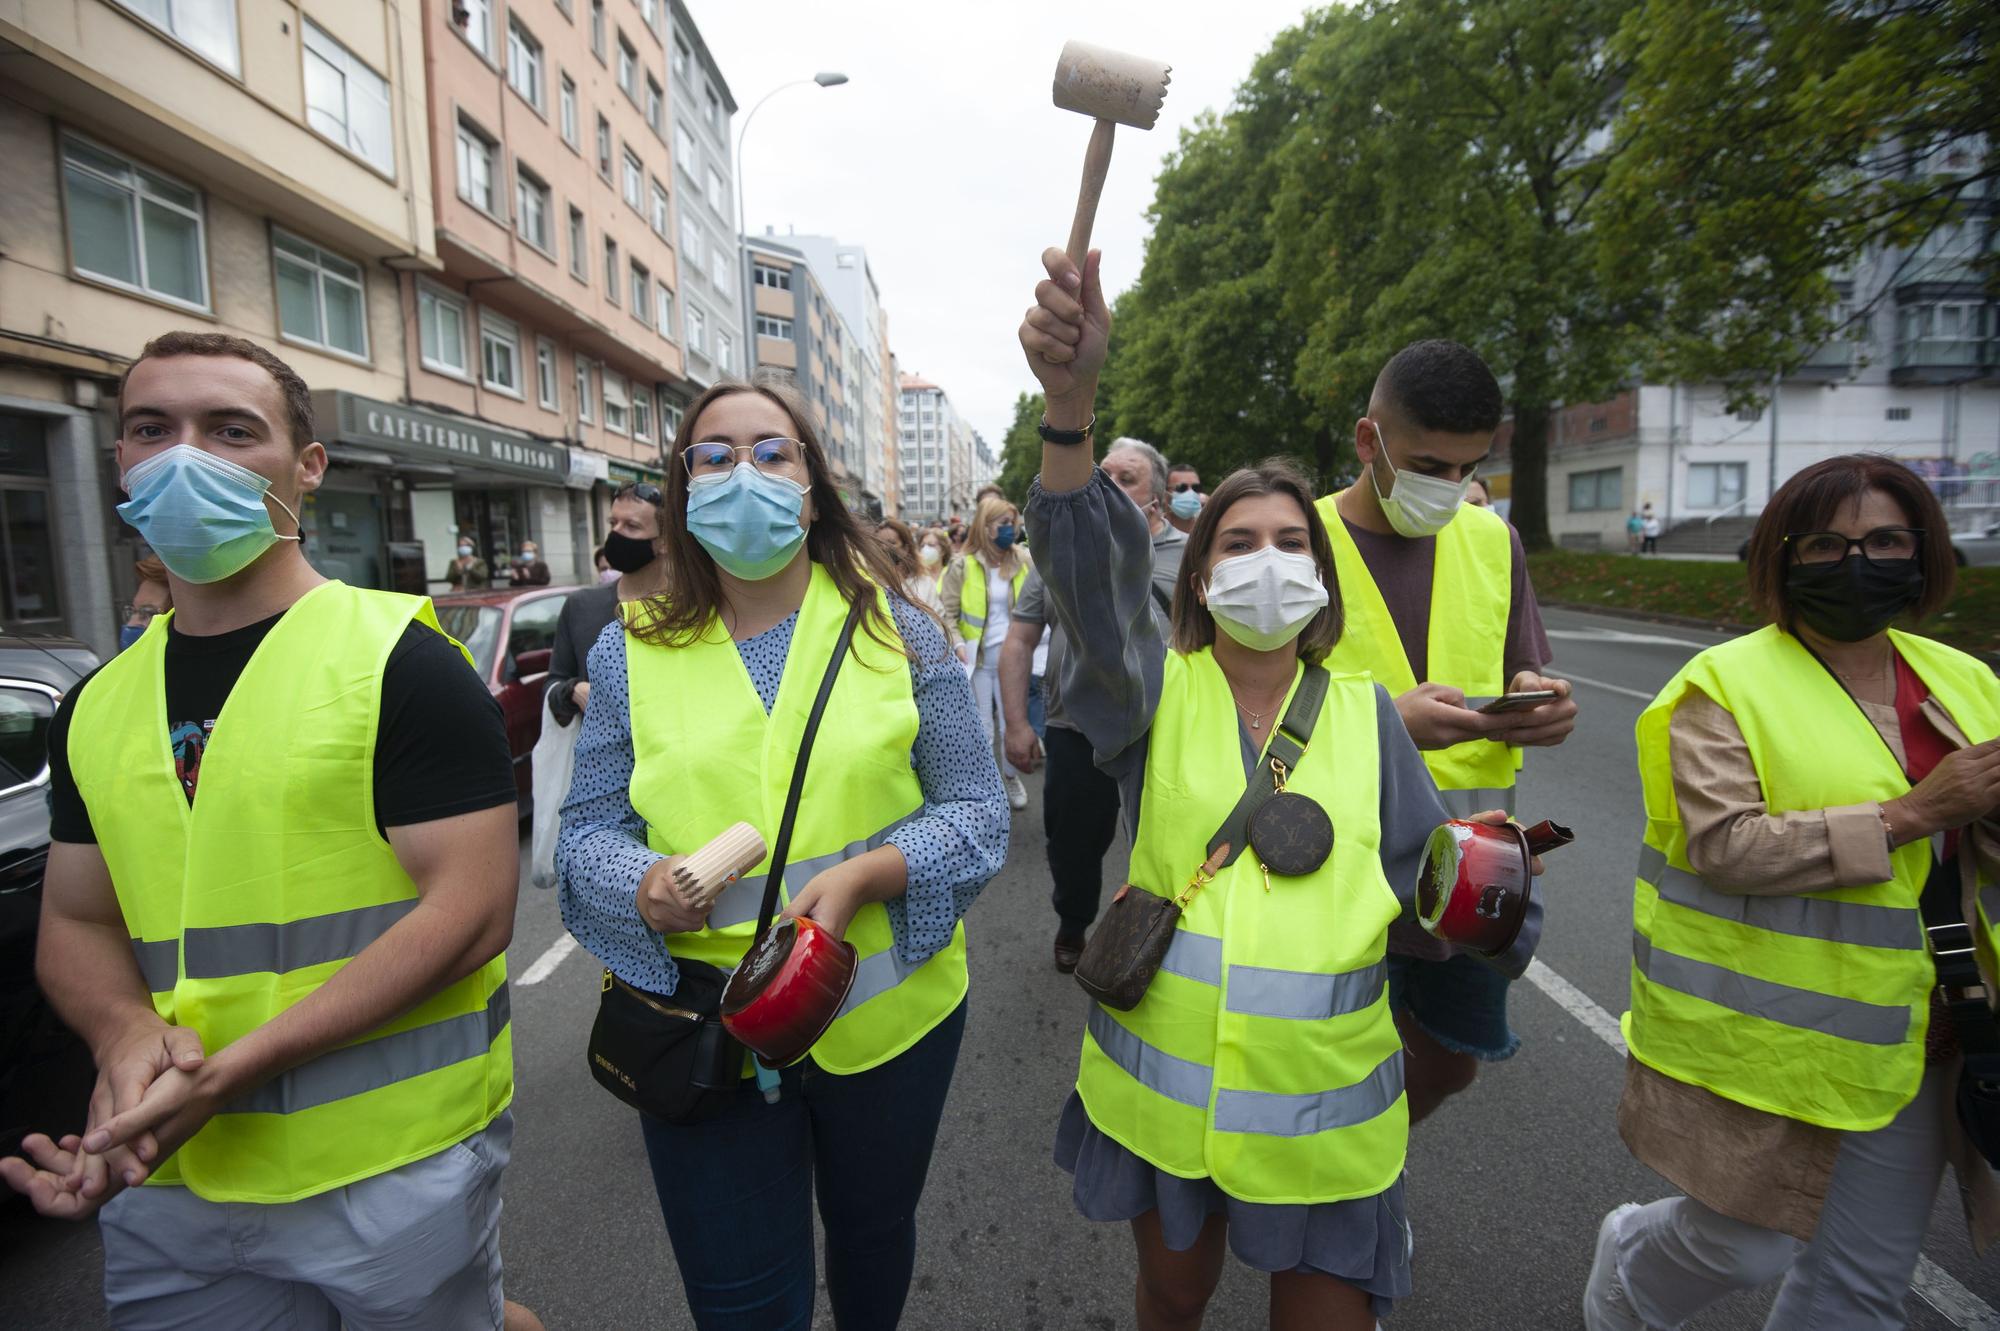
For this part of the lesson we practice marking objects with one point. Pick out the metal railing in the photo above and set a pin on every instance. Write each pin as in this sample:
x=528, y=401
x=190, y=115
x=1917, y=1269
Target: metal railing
x=1736, y=508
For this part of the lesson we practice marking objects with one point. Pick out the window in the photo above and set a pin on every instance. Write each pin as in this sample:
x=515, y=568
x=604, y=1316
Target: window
x=767, y=276
x=642, y=282
x=718, y=193
x=684, y=153
x=132, y=227
x=475, y=168
x=628, y=68
x=27, y=709
x=680, y=59
x=1597, y=491
x=666, y=309
x=586, y=409
x=650, y=11
x=604, y=147
x=725, y=352
x=320, y=297
x=670, y=419
x=545, y=375
x=611, y=270
x=346, y=101
x=690, y=242
x=206, y=27
x=642, y=412
x=659, y=210
x=441, y=330
x=524, y=62
x=531, y=208
x=771, y=326
x=718, y=271
x=597, y=29
x=635, y=180
x=499, y=354
x=579, y=259
x=656, y=105
x=1750, y=415
x=1895, y=413
x=616, y=407
x=714, y=108
x=566, y=101
x=1716, y=484
x=697, y=329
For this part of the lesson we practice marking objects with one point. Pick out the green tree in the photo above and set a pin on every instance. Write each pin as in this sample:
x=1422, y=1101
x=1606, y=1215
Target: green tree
x=1021, y=450
x=1763, y=145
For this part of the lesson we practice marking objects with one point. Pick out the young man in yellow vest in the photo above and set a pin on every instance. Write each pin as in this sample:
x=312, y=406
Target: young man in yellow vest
x=1440, y=611
x=282, y=876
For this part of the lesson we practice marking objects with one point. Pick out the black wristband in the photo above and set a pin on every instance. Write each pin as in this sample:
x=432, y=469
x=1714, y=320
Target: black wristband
x=1051, y=435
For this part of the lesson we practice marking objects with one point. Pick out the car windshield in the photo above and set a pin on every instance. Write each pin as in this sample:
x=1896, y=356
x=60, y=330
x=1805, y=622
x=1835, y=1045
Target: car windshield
x=478, y=627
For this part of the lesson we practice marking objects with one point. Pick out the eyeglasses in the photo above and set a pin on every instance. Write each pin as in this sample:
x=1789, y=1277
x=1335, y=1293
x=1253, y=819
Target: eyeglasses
x=773, y=457
x=135, y=613
x=644, y=491
x=1884, y=545
x=1185, y=486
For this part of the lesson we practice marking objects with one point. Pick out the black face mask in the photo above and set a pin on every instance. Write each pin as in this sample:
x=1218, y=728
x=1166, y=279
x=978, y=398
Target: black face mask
x=628, y=554
x=1853, y=599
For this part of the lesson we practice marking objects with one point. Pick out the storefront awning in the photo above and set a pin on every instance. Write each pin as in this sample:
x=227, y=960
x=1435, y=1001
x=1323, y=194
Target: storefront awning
x=420, y=435
x=631, y=473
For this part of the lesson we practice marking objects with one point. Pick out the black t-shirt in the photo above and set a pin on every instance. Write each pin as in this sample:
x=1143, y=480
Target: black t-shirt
x=440, y=741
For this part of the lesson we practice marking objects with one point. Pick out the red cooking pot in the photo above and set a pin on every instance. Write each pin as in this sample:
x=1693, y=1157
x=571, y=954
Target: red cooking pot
x=1477, y=879
x=787, y=989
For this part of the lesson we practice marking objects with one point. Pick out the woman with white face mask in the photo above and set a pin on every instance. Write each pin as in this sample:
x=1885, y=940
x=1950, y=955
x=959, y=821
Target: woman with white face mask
x=1253, y=1094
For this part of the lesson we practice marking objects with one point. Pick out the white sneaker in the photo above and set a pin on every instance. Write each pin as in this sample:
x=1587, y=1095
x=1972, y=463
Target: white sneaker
x=1017, y=793
x=1606, y=1305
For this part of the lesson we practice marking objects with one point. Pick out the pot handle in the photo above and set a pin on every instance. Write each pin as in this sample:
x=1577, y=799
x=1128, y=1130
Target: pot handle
x=1546, y=836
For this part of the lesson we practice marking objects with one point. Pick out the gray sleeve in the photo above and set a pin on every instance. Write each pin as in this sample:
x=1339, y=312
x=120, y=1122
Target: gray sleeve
x=1095, y=555
x=1031, y=606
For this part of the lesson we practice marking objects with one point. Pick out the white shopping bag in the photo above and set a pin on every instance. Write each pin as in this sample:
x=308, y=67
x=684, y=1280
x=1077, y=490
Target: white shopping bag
x=551, y=763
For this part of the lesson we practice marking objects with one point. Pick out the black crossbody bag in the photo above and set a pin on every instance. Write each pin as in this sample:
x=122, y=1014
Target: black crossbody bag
x=667, y=1054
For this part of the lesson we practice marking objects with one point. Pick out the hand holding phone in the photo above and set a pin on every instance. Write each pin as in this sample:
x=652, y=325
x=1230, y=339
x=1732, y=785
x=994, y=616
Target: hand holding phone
x=1519, y=702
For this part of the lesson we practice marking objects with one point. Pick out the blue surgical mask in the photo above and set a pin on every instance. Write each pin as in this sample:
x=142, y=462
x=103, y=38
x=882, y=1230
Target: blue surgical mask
x=1185, y=504
x=1004, y=538
x=130, y=634
x=203, y=515
x=747, y=521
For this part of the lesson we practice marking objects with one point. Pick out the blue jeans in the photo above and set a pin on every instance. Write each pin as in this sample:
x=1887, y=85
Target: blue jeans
x=737, y=1191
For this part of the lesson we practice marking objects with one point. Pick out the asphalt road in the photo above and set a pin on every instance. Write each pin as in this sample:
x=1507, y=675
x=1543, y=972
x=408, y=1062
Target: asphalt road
x=1507, y=1182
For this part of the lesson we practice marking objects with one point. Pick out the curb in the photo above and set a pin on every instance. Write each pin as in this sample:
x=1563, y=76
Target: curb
x=1651, y=616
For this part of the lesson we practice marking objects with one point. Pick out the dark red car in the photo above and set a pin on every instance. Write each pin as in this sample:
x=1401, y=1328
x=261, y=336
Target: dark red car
x=511, y=633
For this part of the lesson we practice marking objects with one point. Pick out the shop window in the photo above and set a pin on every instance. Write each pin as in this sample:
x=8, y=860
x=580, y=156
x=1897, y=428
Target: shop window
x=347, y=101
x=133, y=227
x=499, y=354
x=206, y=27
x=441, y=331
x=1597, y=491
x=321, y=300
x=545, y=375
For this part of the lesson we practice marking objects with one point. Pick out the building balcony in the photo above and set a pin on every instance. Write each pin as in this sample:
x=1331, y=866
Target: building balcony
x=1830, y=361
x=1943, y=360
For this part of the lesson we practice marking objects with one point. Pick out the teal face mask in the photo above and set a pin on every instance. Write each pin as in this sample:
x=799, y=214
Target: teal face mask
x=747, y=521
x=203, y=515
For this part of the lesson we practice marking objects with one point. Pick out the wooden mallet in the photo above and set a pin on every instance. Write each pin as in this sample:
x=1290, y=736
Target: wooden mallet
x=1114, y=89
x=701, y=877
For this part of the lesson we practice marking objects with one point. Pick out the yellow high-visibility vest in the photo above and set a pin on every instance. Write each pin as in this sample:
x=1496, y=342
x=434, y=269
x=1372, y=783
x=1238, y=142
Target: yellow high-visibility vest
x=972, y=596
x=256, y=895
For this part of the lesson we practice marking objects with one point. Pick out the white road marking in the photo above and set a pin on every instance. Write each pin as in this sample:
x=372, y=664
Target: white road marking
x=1932, y=1283
x=1640, y=694
x=545, y=965
x=1620, y=635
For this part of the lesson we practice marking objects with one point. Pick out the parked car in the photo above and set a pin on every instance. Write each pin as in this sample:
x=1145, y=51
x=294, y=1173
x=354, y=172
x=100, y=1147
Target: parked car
x=45, y=1071
x=511, y=633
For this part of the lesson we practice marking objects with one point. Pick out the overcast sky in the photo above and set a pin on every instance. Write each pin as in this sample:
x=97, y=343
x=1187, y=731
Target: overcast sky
x=946, y=157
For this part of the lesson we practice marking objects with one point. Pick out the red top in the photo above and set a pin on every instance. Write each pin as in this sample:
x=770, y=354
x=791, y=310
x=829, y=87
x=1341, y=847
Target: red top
x=1923, y=749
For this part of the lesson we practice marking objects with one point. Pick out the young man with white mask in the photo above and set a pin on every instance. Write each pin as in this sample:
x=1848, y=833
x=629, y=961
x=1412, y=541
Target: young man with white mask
x=291, y=976
x=1440, y=611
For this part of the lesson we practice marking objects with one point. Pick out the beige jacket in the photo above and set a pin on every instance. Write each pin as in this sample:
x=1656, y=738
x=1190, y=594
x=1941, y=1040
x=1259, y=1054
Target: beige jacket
x=952, y=587
x=1764, y=1169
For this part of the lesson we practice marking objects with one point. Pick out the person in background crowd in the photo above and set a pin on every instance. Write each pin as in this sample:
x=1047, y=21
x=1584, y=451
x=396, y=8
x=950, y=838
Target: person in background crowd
x=978, y=593
x=1440, y=607
x=986, y=492
x=152, y=597
x=1635, y=531
x=903, y=810
x=605, y=573
x=933, y=557
x=958, y=534
x=633, y=550
x=1185, y=498
x=1650, y=528
x=467, y=572
x=528, y=570
x=1202, y=1114
x=921, y=574
x=293, y=981
x=1794, y=1063
x=1477, y=495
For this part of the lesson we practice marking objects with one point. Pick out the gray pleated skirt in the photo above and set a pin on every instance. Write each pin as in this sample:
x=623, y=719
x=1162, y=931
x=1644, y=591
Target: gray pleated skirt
x=1364, y=1242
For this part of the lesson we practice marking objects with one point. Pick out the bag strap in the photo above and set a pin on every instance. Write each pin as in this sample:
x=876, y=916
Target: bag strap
x=782, y=849
x=1288, y=745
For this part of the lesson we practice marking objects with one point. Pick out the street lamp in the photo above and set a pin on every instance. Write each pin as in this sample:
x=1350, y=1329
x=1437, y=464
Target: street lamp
x=825, y=79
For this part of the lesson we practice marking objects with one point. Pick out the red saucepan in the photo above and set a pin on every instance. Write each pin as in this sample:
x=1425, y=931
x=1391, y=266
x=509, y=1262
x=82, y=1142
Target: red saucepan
x=1477, y=879
x=787, y=989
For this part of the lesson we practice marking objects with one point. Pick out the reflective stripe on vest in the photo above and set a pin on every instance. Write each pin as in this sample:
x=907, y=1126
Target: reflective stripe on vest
x=1810, y=1005
x=1465, y=803
x=972, y=595
x=707, y=755
x=1472, y=590
x=1263, y=1055
x=253, y=897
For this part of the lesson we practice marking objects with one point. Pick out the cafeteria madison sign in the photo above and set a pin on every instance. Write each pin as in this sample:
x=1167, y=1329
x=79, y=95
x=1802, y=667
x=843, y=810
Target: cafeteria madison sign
x=434, y=436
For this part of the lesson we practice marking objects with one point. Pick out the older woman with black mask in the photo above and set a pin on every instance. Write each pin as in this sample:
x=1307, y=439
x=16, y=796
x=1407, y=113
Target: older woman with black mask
x=633, y=549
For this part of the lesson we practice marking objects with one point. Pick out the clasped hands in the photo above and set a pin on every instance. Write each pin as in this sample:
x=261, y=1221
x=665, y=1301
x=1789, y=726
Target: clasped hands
x=1437, y=718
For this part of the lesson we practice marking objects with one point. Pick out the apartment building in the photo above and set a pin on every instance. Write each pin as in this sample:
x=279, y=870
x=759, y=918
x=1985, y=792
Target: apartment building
x=934, y=453
x=258, y=169
x=800, y=330
x=844, y=273
x=712, y=286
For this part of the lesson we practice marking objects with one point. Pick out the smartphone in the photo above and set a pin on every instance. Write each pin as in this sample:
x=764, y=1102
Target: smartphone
x=1520, y=702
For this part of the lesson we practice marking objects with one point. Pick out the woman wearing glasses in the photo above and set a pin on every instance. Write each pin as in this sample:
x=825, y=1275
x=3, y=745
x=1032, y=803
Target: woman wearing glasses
x=1252, y=1100
x=1815, y=796
x=632, y=551
x=699, y=701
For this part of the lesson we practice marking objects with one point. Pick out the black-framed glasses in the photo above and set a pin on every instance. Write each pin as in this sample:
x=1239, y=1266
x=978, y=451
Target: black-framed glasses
x=1884, y=545
x=644, y=491
x=773, y=457
x=1185, y=486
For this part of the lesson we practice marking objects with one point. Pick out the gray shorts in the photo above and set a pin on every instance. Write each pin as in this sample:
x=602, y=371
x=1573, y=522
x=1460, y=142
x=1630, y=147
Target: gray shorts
x=417, y=1247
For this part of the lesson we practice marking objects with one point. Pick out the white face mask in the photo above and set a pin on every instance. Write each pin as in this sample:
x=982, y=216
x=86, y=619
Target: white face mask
x=928, y=556
x=1416, y=505
x=1264, y=598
